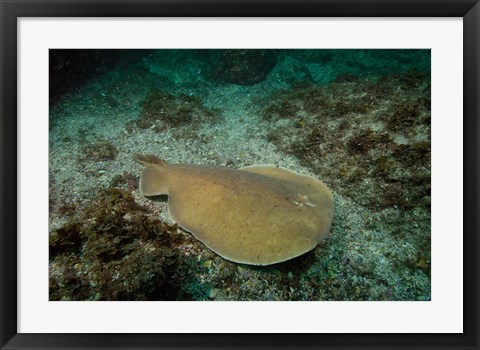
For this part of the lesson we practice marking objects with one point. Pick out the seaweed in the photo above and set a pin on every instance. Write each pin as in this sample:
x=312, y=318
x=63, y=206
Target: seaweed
x=100, y=150
x=414, y=154
x=314, y=100
x=126, y=179
x=113, y=250
x=363, y=136
x=281, y=109
x=160, y=109
x=384, y=166
x=367, y=140
x=404, y=116
x=413, y=79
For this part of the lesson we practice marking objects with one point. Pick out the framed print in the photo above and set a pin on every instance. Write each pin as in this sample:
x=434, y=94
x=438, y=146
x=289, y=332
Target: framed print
x=248, y=174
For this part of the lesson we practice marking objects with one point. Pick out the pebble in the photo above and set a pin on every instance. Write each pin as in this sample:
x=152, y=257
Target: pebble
x=230, y=162
x=213, y=293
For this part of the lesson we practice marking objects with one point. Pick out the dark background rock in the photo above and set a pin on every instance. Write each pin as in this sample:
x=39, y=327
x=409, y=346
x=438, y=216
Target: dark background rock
x=72, y=68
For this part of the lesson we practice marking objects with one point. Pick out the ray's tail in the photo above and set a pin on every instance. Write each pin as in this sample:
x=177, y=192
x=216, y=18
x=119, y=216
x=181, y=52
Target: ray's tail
x=148, y=159
x=154, y=178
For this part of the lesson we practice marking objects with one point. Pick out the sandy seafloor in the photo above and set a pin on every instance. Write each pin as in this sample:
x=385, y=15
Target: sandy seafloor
x=378, y=249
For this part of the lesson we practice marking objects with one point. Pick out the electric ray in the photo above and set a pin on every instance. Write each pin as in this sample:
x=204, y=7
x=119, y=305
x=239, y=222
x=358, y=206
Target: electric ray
x=257, y=215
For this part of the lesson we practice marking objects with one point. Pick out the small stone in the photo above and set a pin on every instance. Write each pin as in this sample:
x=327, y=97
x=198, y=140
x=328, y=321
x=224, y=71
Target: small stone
x=230, y=162
x=169, y=253
x=208, y=254
x=422, y=263
x=169, y=262
x=213, y=293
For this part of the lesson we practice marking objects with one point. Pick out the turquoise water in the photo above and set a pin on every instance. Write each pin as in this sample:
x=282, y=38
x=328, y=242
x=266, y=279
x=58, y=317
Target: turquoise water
x=359, y=120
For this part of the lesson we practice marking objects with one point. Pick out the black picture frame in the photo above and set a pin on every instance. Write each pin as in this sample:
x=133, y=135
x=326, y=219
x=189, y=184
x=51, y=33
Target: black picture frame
x=11, y=10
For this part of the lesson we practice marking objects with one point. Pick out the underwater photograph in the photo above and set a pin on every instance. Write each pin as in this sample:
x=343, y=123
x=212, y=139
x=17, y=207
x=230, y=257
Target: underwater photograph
x=240, y=174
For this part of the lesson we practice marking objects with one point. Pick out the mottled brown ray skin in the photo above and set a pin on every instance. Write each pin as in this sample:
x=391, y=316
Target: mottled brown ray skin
x=258, y=215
